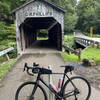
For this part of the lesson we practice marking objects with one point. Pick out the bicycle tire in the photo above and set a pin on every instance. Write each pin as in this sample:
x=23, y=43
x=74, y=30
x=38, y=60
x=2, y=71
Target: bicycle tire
x=78, y=79
x=26, y=84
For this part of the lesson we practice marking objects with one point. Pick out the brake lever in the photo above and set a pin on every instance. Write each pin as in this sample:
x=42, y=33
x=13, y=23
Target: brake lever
x=35, y=65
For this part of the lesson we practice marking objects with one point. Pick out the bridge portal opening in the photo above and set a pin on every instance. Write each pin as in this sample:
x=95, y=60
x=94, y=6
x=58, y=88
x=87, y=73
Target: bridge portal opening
x=35, y=15
x=32, y=37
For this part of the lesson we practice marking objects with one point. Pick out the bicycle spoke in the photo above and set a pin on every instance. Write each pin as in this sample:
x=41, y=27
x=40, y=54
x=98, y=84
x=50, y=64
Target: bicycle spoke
x=82, y=91
x=25, y=91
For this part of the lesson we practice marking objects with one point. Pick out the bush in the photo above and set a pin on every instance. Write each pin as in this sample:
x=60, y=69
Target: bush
x=7, y=39
x=13, y=53
x=69, y=40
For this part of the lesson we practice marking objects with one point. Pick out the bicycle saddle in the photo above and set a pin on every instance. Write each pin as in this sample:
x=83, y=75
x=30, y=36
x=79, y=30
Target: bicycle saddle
x=67, y=65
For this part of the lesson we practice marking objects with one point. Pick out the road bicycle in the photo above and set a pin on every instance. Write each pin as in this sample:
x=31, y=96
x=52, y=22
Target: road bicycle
x=74, y=88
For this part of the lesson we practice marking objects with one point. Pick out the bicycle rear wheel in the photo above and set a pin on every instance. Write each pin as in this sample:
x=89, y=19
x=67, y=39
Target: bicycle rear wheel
x=24, y=92
x=82, y=86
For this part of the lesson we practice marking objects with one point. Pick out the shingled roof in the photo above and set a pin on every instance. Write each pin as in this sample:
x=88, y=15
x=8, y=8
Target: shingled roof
x=49, y=3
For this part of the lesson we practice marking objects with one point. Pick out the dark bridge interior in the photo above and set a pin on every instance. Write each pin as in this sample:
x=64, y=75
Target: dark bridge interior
x=32, y=25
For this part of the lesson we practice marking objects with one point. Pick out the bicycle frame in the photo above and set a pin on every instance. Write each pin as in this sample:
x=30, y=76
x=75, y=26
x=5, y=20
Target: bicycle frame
x=59, y=95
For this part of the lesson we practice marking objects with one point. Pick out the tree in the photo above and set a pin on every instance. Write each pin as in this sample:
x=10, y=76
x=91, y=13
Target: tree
x=86, y=14
x=70, y=22
x=97, y=17
x=70, y=16
x=4, y=10
x=7, y=6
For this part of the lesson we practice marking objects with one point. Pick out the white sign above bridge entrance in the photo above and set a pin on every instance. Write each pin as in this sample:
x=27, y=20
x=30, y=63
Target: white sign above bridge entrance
x=38, y=9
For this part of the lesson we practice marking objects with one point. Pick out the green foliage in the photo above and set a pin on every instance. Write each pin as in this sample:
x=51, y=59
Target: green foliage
x=5, y=67
x=70, y=16
x=86, y=13
x=16, y=3
x=6, y=6
x=97, y=17
x=69, y=57
x=70, y=22
x=8, y=38
x=3, y=59
x=94, y=35
x=89, y=53
x=69, y=40
x=42, y=38
x=13, y=53
x=4, y=10
x=92, y=53
x=42, y=34
x=7, y=35
x=89, y=14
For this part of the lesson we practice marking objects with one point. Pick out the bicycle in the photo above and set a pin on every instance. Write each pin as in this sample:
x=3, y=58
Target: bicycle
x=69, y=89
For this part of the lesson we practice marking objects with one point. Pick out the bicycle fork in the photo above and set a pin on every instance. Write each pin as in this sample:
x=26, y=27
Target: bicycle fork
x=35, y=88
x=33, y=92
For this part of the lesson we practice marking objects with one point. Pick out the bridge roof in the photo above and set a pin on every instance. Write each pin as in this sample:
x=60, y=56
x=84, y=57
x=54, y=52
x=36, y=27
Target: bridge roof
x=49, y=3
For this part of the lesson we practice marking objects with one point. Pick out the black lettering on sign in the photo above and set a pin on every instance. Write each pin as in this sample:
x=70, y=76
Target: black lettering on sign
x=38, y=14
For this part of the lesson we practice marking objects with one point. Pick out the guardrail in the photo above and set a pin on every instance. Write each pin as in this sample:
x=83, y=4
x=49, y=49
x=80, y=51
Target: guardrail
x=86, y=42
x=4, y=52
x=76, y=52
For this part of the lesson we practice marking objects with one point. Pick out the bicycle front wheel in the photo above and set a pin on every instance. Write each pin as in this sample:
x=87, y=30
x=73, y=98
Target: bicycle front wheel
x=82, y=91
x=24, y=92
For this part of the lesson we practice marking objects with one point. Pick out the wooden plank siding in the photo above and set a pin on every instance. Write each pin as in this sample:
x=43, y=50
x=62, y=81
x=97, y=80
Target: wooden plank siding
x=37, y=9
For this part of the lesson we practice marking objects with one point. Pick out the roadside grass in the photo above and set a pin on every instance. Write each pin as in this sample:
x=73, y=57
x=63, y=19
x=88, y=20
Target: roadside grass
x=69, y=57
x=89, y=53
x=94, y=35
x=69, y=41
x=92, y=53
x=3, y=59
x=5, y=67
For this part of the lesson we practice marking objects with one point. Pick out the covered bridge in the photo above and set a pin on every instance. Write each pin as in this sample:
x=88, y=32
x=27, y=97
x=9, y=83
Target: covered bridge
x=35, y=15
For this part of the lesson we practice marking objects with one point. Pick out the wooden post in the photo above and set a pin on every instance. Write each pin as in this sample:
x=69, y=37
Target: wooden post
x=7, y=57
x=79, y=55
x=4, y=52
x=93, y=45
x=98, y=44
x=91, y=32
x=51, y=96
